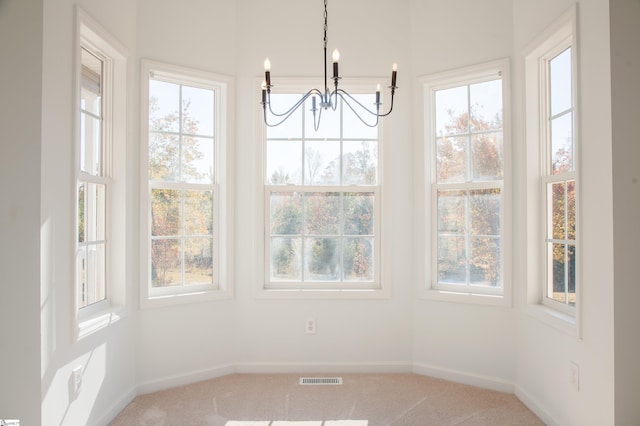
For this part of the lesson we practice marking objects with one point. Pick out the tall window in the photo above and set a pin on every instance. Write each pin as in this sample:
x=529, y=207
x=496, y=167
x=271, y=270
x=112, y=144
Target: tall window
x=186, y=181
x=552, y=159
x=466, y=140
x=101, y=82
x=93, y=183
x=322, y=200
x=559, y=180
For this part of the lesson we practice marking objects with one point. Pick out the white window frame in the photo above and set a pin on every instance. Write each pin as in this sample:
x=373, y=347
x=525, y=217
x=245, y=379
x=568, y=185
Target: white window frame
x=90, y=35
x=429, y=288
x=380, y=289
x=222, y=286
x=555, y=39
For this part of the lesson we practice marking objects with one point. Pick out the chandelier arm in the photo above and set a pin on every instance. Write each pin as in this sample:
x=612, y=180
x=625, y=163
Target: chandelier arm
x=343, y=93
x=295, y=106
x=346, y=102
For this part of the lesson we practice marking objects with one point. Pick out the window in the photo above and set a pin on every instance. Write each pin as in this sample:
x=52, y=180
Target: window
x=552, y=168
x=187, y=222
x=99, y=176
x=322, y=197
x=466, y=150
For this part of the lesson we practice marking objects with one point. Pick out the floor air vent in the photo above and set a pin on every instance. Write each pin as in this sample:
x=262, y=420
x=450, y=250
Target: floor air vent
x=320, y=380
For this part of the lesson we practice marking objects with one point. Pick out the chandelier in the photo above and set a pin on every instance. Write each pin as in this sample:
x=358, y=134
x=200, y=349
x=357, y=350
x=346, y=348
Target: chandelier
x=325, y=99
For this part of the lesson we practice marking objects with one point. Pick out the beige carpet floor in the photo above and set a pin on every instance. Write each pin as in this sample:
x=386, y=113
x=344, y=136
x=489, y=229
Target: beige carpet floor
x=362, y=400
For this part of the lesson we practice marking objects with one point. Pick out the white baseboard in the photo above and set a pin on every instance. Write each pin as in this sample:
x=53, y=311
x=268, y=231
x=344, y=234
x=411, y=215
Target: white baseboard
x=185, y=379
x=533, y=405
x=479, y=380
x=117, y=407
x=323, y=368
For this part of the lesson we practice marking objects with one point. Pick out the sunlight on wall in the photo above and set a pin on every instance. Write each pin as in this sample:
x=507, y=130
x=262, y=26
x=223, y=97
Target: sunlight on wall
x=62, y=404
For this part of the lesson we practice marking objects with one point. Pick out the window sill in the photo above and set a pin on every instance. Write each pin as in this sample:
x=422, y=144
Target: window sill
x=89, y=324
x=348, y=294
x=173, y=299
x=461, y=297
x=554, y=318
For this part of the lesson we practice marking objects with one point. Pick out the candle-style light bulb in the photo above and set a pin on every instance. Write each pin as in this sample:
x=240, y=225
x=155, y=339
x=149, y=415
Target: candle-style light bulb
x=378, y=95
x=267, y=73
x=336, y=57
x=393, y=75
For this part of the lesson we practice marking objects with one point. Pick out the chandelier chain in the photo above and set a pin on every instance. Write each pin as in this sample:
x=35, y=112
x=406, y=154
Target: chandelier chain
x=325, y=24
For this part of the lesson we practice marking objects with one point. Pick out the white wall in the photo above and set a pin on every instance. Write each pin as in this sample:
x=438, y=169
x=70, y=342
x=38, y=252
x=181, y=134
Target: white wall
x=21, y=93
x=625, y=92
x=544, y=353
x=470, y=343
x=107, y=356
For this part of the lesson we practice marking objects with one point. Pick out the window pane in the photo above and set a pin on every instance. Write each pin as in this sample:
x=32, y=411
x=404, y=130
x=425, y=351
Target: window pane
x=358, y=259
x=164, y=157
x=359, y=213
x=291, y=128
x=486, y=156
x=360, y=162
x=558, y=222
x=486, y=105
x=571, y=210
x=330, y=121
x=485, y=262
x=452, y=114
x=284, y=162
x=571, y=274
x=353, y=128
x=165, y=262
x=165, y=212
x=322, y=213
x=451, y=159
x=164, y=104
x=451, y=212
x=322, y=259
x=198, y=212
x=485, y=212
x=81, y=212
x=197, y=160
x=562, y=144
x=94, y=274
x=560, y=82
x=91, y=83
x=558, y=283
x=198, y=261
x=286, y=213
x=90, y=145
x=96, y=220
x=286, y=258
x=452, y=260
x=322, y=162
x=197, y=111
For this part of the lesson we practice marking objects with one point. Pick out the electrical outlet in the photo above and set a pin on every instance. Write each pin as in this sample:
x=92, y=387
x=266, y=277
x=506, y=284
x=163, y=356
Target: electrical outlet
x=310, y=326
x=77, y=379
x=575, y=376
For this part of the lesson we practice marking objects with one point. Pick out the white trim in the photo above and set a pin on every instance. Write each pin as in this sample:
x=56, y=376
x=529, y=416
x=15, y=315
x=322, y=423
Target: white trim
x=323, y=368
x=534, y=405
x=117, y=407
x=501, y=296
x=464, y=377
x=222, y=287
x=558, y=36
x=185, y=379
x=91, y=34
